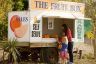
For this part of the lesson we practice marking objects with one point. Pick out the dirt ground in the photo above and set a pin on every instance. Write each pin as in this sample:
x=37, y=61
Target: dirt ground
x=76, y=61
x=87, y=55
x=85, y=61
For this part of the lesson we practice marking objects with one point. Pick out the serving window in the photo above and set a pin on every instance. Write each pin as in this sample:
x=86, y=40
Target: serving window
x=52, y=27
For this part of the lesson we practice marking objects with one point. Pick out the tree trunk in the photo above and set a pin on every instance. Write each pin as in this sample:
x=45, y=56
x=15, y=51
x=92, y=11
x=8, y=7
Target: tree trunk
x=3, y=56
x=94, y=41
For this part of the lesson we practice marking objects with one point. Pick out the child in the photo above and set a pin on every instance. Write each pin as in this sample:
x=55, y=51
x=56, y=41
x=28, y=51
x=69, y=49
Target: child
x=63, y=51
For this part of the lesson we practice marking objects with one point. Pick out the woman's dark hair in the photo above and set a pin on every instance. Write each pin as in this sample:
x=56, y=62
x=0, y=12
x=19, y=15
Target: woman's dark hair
x=65, y=28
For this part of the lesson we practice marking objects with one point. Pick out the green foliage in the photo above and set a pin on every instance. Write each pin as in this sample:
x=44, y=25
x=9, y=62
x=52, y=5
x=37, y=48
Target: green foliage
x=73, y=0
x=90, y=10
x=89, y=35
x=1, y=25
x=18, y=5
x=5, y=7
x=10, y=47
x=3, y=31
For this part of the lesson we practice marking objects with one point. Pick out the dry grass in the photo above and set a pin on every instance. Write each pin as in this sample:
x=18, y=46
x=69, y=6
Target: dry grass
x=86, y=59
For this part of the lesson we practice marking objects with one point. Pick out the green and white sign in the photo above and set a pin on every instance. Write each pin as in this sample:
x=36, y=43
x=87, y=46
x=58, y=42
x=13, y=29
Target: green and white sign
x=79, y=26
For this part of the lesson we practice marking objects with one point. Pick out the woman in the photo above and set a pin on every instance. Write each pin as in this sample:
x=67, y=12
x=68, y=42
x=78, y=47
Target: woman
x=67, y=32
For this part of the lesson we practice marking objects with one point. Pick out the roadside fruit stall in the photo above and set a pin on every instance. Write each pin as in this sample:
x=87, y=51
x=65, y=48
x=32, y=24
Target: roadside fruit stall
x=39, y=27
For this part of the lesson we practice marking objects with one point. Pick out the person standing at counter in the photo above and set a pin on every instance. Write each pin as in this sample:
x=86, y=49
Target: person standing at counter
x=67, y=32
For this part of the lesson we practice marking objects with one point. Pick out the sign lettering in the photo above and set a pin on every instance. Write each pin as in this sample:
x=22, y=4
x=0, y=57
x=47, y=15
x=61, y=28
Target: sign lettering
x=24, y=19
x=79, y=30
x=41, y=4
x=35, y=26
x=60, y=5
x=36, y=29
x=35, y=33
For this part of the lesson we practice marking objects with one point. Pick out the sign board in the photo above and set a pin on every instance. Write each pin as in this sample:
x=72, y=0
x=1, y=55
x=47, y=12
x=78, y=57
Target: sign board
x=24, y=26
x=50, y=23
x=55, y=5
x=79, y=32
x=35, y=28
x=18, y=26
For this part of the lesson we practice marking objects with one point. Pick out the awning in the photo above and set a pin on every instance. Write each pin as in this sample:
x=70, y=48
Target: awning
x=63, y=15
